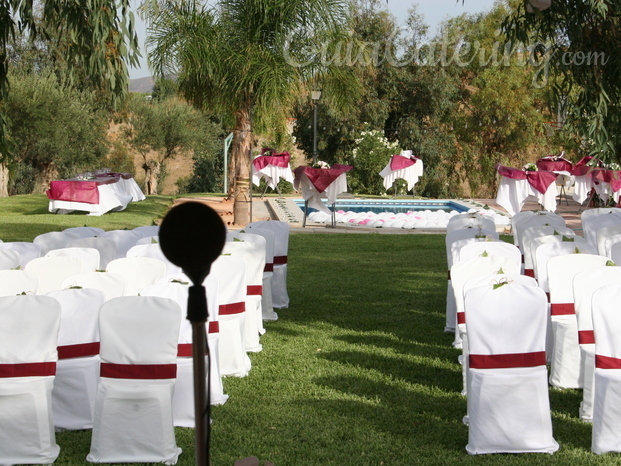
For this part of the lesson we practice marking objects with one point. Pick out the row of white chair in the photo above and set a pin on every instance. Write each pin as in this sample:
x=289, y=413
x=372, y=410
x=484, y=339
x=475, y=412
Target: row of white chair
x=571, y=280
x=239, y=320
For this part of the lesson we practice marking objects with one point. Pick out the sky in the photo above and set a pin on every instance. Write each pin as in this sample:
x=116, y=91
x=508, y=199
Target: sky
x=433, y=11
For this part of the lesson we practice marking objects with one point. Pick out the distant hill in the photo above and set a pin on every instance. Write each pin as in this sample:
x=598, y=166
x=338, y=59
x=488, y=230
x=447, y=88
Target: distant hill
x=141, y=85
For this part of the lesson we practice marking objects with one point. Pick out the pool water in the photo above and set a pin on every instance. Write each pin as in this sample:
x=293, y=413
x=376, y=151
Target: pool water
x=379, y=206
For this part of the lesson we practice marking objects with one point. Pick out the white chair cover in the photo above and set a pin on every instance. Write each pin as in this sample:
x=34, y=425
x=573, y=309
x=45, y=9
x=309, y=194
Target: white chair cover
x=183, y=398
x=280, y=295
x=267, y=241
x=598, y=211
x=151, y=230
x=88, y=257
x=155, y=251
x=28, y=332
x=77, y=370
x=14, y=282
x=469, y=219
x=566, y=361
x=593, y=223
x=85, y=232
x=112, y=285
x=463, y=271
x=106, y=248
x=138, y=368
x=515, y=221
x=52, y=271
x=123, y=239
x=615, y=253
x=148, y=240
x=138, y=272
x=508, y=403
x=9, y=259
x=557, y=247
x=231, y=275
x=27, y=251
x=584, y=285
x=606, y=435
x=493, y=248
x=454, y=241
x=606, y=237
x=254, y=257
x=539, y=218
x=534, y=232
x=53, y=240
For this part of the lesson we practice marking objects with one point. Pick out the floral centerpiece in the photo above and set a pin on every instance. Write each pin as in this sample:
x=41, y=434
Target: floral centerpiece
x=320, y=164
x=530, y=167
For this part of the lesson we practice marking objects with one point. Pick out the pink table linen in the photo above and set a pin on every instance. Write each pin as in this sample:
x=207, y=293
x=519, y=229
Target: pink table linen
x=516, y=186
x=104, y=193
x=402, y=166
x=271, y=167
x=313, y=182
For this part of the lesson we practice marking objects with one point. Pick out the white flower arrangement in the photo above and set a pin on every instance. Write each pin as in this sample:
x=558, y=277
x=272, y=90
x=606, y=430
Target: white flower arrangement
x=321, y=164
x=530, y=167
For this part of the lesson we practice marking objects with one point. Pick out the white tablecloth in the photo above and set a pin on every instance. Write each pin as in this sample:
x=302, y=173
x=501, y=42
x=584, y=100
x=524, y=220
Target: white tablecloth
x=410, y=174
x=112, y=197
x=314, y=197
x=272, y=175
x=512, y=195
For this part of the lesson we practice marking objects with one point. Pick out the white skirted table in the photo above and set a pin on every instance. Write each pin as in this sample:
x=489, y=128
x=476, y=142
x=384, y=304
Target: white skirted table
x=591, y=180
x=516, y=186
x=95, y=195
x=402, y=166
x=314, y=183
x=272, y=167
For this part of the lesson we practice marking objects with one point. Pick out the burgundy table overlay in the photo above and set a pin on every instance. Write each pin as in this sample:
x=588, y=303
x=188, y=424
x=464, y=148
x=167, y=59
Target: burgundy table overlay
x=540, y=180
x=554, y=164
x=321, y=178
x=82, y=190
x=398, y=162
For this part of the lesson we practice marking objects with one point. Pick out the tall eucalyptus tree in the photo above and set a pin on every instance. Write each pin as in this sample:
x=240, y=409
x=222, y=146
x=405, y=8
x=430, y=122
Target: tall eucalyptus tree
x=249, y=60
x=95, y=37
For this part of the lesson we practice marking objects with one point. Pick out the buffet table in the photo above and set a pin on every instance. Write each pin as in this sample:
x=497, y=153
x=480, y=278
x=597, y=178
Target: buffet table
x=95, y=195
x=516, y=186
x=314, y=183
x=402, y=166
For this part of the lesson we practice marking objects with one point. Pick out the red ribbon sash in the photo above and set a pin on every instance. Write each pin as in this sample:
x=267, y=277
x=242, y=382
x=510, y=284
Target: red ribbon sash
x=254, y=290
x=78, y=351
x=505, y=361
x=586, y=337
x=607, y=362
x=232, y=308
x=213, y=326
x=280, y=260
x=138, y=371
x=562, y=309
x=28, y=369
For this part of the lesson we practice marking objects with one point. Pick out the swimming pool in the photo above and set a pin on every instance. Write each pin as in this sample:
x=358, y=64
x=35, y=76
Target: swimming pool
x=397, y=213
x=396, y=206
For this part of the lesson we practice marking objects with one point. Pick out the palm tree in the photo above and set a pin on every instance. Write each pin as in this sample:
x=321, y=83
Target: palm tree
x=249, y=60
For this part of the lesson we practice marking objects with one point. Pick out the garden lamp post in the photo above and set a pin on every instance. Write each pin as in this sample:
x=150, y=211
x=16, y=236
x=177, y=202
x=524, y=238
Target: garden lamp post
x=315, y=96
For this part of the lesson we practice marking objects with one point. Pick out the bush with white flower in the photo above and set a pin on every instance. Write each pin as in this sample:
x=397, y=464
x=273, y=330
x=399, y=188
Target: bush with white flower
x=370, y=155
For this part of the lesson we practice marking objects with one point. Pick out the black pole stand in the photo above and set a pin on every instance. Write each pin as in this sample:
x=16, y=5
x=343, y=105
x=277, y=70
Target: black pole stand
x=192, y=236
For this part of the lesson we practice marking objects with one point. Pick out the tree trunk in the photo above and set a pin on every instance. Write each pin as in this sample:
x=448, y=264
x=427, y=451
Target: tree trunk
x=240, y=158
x=151, y=171
x=4, y=180
x=45, y=174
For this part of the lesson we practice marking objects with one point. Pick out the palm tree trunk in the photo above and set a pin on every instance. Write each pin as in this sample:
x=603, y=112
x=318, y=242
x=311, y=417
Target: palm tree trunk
x=240, y=156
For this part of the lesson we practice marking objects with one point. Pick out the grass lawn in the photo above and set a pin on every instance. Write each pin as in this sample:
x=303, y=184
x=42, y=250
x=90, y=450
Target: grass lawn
x=357, y=371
